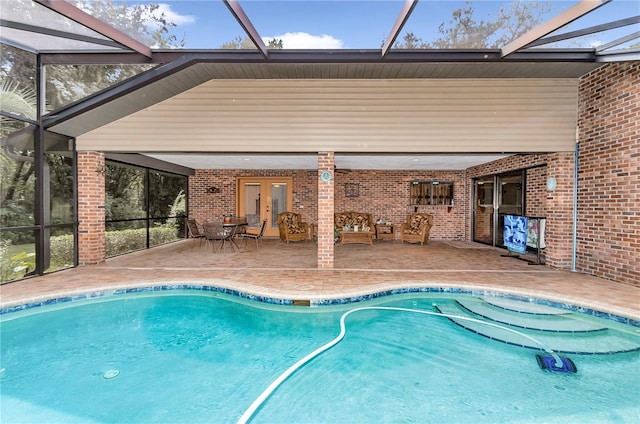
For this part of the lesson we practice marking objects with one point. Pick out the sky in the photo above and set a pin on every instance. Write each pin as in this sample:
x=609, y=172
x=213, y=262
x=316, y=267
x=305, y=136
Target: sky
x=363, y=24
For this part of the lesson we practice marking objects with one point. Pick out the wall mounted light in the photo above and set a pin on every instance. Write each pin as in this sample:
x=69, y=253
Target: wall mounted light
x=551, y=184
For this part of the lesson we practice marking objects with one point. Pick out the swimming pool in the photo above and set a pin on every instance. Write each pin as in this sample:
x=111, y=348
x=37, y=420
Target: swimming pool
x=193, y=356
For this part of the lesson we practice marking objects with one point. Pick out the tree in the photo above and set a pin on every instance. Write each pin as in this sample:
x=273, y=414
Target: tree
x=463, y=31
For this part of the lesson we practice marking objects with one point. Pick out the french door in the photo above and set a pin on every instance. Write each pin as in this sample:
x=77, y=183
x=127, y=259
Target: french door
x=262, y=198
x=494, y=197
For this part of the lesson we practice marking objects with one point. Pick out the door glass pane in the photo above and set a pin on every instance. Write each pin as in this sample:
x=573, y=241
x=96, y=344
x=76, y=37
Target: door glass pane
x=483, y=221
x=252, y=204
x=278, y=202
x=509, y=201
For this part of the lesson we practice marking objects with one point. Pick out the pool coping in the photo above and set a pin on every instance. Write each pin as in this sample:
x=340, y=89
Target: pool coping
x=317, y=300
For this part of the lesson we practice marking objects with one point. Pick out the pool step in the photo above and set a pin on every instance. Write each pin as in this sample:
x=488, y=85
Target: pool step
x=524, y=307
x=598, y=342
x=563, y=323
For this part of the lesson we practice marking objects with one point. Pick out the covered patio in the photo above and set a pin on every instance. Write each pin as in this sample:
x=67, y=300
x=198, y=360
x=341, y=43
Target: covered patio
x=375, y=118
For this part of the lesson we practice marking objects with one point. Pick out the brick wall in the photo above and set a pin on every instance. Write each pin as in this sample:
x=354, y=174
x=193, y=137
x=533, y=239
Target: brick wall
x=91, y=212
x=385, y=194
x=609, y=173
x=205, y=205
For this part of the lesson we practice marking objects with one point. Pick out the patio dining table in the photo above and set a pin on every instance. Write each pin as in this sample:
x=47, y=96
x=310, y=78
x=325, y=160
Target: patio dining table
x=227, y=231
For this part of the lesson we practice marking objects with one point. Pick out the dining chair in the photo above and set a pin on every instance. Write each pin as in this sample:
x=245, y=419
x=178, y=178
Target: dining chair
x=194, y=231
x=229, y=235
x=214, y=232
x=256, y=237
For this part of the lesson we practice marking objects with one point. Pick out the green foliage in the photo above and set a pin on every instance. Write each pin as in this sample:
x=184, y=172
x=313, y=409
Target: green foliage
x=179, y=205
x=14, y=265
x=61, y=248
x=119, y=242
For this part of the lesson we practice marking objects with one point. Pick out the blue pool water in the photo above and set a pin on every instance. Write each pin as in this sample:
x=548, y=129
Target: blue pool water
x=195, y=357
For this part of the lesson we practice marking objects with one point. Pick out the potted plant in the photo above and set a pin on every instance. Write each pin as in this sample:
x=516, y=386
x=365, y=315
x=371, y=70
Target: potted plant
x=227, y=217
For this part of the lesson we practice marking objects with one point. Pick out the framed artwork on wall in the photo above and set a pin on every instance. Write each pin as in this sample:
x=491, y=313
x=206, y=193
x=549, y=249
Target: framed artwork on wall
x=352, y=190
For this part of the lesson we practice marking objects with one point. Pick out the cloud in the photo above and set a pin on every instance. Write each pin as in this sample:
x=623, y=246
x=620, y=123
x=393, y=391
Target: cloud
x=172, y=16
x=303, y=40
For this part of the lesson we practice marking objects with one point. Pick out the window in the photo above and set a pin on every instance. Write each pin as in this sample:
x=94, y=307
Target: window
x=431, y=193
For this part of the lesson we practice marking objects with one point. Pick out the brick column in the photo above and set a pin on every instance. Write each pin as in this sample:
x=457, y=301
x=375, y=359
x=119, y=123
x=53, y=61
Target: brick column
x=559, y=206
x=326, y=192
x=91, y=212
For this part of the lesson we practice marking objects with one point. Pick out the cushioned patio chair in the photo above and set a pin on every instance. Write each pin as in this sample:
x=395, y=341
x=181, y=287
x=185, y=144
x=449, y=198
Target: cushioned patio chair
x=417, y=228
x=291, y=227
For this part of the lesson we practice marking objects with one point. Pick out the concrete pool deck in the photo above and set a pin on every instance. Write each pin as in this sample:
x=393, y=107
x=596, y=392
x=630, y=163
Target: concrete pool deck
x=289, y=271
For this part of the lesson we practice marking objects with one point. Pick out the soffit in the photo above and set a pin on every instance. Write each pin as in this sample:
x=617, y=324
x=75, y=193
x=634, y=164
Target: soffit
x=164, y=82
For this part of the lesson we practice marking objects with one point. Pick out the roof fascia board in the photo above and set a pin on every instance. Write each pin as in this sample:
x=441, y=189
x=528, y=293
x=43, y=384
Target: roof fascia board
x=56, y=33
x=245, y=23
x=586, y=31
x=564, y=18
x=619, y=56
x=373, y=56
x=407, y=8
x=83, y=18
x=317, y=56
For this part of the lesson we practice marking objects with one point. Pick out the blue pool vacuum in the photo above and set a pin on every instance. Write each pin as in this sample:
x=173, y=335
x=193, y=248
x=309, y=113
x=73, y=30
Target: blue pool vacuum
x=556, y=364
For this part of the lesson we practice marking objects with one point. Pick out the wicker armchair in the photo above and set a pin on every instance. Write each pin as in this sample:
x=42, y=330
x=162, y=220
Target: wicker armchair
x=291, y=227
x=416, y=229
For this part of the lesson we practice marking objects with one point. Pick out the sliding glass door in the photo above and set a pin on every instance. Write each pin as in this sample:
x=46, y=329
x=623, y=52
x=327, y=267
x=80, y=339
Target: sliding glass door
x=494, y=197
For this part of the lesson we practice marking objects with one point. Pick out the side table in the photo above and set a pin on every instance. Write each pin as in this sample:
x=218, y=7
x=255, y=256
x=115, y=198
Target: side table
x=385, y=232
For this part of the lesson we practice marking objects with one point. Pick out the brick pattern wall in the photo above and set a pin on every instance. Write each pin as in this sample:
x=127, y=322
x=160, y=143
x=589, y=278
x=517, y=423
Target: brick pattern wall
x=205, y=205
x=556, y=206
x=385, y=194
x=91, y=212
x=609, y=173
x=326, y=205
